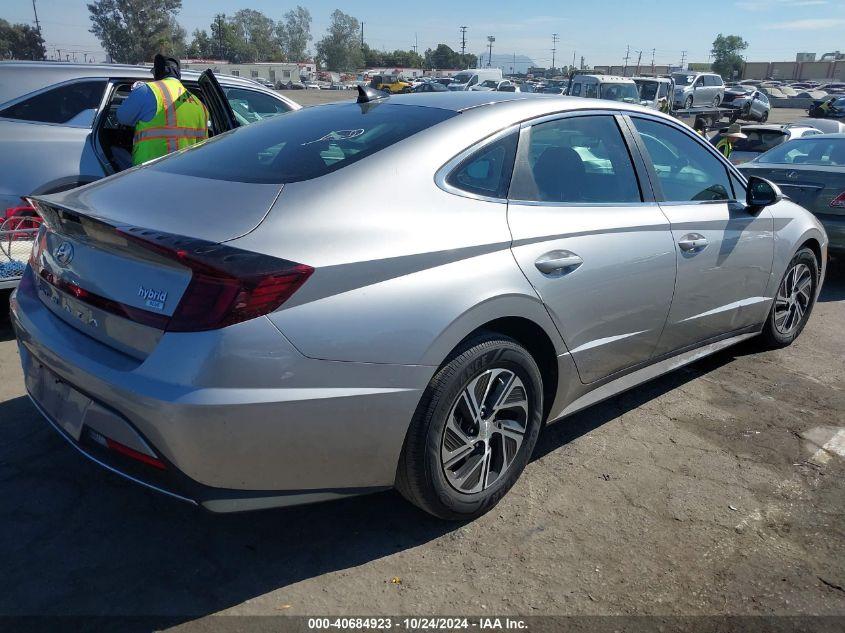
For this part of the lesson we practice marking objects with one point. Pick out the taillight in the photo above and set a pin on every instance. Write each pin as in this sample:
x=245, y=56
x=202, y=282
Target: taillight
x=228, y=285
x=838, y=202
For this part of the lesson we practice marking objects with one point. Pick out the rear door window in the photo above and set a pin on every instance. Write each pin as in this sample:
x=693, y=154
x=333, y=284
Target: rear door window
x=304, y=144
x=576, y=160
x=73, y=104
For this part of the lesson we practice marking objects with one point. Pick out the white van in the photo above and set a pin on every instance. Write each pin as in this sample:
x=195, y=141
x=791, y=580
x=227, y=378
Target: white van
x=604, y=87
x=470, y=77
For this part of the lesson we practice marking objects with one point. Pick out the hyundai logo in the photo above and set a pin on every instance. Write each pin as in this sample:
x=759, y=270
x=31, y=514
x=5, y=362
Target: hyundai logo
x=792, y=175
x=64, y=253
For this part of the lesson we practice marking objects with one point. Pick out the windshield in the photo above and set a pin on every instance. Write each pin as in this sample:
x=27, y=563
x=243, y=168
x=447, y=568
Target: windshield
x=683, y=80
x=807, y=151
x=304, y=144
x=648, y=89
x=620, y=92
x=462, y=78
x=489, y=83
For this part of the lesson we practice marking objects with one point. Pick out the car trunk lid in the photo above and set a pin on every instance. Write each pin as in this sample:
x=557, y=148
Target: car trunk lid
x=814, y=187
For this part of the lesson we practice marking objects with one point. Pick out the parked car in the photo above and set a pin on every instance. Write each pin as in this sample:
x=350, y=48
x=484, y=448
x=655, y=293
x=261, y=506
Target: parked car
x=826, y=126
x=390, y=83
x=762, y=138
x=264, y=82
x=430, y=86
x=504, y=85
x=811, y=171
x=466, y=79
x=697, y=89
x=653, y=90
x=312, y=85
x=752, y=104
x=294, y=85
x=837, y=111
x=293, y=351
x=556, y=87
x=58, y=127
x=604, y=87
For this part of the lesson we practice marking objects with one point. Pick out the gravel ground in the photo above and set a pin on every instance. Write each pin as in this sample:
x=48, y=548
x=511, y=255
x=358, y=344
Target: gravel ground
x=704, y=492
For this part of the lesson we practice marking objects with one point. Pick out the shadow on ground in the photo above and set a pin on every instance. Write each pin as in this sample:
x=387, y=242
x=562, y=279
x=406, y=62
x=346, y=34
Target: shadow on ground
x=77, y=540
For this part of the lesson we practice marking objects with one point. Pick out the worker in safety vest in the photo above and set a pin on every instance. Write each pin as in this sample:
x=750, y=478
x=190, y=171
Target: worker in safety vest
x=166, y=116
x=827, y=105
x=726, y=143
x=700, y=126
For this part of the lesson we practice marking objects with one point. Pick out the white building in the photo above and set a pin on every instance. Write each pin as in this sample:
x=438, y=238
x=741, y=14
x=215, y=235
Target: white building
x=276, y=72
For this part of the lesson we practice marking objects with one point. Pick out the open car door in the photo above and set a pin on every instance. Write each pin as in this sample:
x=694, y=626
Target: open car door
x=221, y=113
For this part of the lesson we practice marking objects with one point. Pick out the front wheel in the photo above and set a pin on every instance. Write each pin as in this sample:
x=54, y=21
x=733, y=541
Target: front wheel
x=716, y=101
x=764, y=117
x=474, y=429
x=793, y=302
x=688, y=103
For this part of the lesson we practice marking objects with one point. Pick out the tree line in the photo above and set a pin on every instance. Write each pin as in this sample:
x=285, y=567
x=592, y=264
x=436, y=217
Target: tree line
x=132, y=31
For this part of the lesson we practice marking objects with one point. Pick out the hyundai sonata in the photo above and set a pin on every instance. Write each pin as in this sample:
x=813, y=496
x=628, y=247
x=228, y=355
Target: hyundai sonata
x=265, y=320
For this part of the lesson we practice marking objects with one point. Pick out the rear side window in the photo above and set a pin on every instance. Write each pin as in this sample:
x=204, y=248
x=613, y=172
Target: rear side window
x=71, y=104
x=576, y=160
x=687, y=171
x=304, y=144
x=487, y=172
x=576, y=90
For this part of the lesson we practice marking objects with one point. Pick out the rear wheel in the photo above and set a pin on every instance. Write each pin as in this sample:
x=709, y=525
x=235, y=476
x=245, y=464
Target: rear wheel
x=474, y=429
x=764, y=117
x=793, y=302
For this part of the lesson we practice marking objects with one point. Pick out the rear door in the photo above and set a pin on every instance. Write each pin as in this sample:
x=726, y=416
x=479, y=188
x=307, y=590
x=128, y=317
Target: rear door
x=596, y=248
x=724, y=252
x=222, y=116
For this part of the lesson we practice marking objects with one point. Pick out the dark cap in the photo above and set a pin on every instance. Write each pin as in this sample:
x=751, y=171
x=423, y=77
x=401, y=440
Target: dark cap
x=165, y=67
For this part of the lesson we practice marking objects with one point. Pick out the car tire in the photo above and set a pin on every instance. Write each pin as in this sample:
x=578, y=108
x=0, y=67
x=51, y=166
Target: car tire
x=688, y=103
x=764, y=117
x=430, y=466
x=794, y=298
x=716, y=101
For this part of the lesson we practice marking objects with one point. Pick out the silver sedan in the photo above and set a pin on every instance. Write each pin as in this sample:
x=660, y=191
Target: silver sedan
x=398, y=292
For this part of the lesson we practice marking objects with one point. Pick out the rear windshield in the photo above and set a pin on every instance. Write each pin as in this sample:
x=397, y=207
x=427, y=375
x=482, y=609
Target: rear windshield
x=758, y=141
x=305, y=144
x=807, y=151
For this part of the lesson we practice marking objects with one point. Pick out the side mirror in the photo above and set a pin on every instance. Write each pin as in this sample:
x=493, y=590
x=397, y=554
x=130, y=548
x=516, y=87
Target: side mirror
x=762, y=193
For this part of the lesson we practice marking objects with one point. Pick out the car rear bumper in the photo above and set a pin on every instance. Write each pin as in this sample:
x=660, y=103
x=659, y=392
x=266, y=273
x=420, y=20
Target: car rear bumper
x=240, y=419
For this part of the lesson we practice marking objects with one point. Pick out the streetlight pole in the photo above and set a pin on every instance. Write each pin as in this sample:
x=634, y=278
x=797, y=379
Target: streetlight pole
x=490, y=40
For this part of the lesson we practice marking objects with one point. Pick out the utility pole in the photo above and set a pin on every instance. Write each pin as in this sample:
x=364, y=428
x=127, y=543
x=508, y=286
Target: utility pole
x=37, y=23
x=555, y=39
x=627, y=55
x=490, y=40
x=362, y=34
x=582, y=63
x=639, y=59
x=573, y=59
x=416, y=43
x=653, y=50
x=463, y=40
x=219, y=19
x=85, y=55
x=683, y=58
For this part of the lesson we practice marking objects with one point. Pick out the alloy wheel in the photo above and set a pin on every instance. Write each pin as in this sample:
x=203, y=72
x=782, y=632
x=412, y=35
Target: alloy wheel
x=484, y=431
x=793, y=298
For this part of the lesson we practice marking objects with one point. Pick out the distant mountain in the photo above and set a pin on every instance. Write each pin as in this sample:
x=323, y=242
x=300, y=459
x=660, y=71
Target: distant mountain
x=507, y=62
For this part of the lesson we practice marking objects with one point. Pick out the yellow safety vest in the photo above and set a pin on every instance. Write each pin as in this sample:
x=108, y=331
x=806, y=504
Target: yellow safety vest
x=725, y=146
x=181, y=120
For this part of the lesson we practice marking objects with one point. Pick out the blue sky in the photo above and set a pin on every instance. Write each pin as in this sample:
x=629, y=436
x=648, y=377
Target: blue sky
x=775, y=29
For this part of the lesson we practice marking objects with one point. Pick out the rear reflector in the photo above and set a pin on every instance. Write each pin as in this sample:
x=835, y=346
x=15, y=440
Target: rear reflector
x=838, y=202
x=117, y=447
x=228, y=285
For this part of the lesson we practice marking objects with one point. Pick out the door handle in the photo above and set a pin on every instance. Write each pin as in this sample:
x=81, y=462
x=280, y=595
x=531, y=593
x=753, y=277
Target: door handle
x=693, y=243
x=558, y=261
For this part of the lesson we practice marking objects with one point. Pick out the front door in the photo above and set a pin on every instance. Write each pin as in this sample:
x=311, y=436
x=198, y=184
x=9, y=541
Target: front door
x=598, y=252
x=724, y=252
x=219, y=108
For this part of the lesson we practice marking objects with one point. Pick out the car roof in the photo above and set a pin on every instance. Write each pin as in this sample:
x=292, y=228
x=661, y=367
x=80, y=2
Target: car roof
x=18, y=78
x=513, y=106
